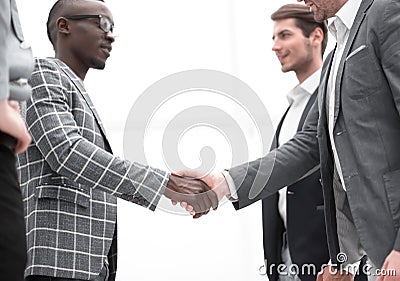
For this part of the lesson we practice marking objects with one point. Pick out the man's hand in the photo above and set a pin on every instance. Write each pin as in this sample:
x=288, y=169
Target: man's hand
x=12, y=124
x=331, y=274
x=216, y=181
x=392, y=263
x=194, y=192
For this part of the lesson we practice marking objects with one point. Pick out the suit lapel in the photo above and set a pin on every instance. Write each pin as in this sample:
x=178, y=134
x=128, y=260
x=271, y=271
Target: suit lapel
x=79, y=85
x=352, y=35
x=275, y=142
x=323, y=86
x=306, y=110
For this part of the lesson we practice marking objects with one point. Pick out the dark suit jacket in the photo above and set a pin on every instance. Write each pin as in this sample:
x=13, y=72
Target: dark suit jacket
x=366, y=133
x=305, y=220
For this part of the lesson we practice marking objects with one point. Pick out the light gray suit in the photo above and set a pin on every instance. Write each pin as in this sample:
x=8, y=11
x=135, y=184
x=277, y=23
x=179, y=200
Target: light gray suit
x=366, y=133
x=15, y=55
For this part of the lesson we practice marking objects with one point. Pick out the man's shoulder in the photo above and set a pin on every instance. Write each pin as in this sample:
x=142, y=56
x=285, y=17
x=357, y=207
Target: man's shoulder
x=382, y=8
x=382, y=3
x=48, y=70
x=45, y=69
x=384, y=19
x=45, y=63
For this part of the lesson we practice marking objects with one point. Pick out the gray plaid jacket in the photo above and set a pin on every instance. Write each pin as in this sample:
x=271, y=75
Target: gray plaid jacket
x=70, y=180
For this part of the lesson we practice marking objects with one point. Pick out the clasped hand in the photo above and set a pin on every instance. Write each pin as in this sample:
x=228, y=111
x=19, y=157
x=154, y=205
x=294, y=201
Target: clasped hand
x=196, y=193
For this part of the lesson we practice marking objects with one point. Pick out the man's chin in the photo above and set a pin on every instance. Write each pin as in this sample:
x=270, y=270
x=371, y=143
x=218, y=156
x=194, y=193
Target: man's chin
x=100, y=67
x=285, y=69
x=98, y=64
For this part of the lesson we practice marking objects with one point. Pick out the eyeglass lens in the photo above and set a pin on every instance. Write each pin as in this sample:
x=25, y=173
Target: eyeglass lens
x=106, y=25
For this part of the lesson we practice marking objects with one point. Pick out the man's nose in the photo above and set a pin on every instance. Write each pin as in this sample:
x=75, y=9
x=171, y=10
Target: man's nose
x=110, y=36
x=276, y=46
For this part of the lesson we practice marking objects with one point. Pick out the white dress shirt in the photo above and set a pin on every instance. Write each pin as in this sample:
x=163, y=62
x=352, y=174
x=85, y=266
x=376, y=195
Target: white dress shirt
x=298, y=99
x=340, y=29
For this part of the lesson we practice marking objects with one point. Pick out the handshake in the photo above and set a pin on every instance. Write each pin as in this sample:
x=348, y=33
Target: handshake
x=195, y=192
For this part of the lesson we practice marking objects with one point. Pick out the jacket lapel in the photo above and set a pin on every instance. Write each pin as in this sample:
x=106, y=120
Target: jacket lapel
x=323, y=85
x=79, y=85
x=275, y=142
x=307, y=110
x=352, y=35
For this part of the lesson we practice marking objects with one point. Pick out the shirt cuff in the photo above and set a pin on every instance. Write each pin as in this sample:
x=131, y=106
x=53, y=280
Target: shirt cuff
x=231, y=185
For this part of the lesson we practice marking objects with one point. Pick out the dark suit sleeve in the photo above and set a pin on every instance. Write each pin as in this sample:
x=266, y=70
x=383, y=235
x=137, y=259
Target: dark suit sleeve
x=281, y=167
x=389, y=39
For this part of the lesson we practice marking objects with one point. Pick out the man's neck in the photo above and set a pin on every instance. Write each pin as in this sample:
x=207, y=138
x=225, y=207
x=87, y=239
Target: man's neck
x=74, y=64
x=303, y=75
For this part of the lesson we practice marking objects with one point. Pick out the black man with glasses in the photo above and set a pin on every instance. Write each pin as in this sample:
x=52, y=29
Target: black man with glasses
x=70, y=179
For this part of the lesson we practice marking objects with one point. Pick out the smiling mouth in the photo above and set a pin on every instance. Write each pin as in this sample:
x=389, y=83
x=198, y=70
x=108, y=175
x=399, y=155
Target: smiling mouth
x=281, y=57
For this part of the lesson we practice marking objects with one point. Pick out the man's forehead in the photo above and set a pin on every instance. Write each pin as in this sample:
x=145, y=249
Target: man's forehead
x=86, y=7
x=284, y=24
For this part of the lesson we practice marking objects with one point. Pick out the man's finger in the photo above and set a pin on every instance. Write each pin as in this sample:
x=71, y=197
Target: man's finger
x=213, y=198
x=203, y=202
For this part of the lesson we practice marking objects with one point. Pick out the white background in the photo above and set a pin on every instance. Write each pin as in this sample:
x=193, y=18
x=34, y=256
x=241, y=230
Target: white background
x=157, y=38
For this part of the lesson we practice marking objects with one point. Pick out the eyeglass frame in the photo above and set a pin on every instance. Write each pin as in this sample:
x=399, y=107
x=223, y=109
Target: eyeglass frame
x=102, y=18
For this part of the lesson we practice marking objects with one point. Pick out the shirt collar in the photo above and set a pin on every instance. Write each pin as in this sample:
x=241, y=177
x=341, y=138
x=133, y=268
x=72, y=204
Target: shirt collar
x=308, y=87
x=347, y=14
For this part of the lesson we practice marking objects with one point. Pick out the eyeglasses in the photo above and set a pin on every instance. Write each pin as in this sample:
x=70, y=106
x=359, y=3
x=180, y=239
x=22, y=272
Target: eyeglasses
x=105, y=23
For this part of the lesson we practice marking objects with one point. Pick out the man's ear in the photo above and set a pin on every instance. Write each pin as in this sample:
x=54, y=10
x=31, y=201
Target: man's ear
x=63, y=26
x=317, y=36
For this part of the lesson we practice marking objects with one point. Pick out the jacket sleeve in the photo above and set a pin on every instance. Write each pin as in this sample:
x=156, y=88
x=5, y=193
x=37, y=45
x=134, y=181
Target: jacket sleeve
x=388, y=32
x=5, y=21
x=59, y=139
x=281, y=167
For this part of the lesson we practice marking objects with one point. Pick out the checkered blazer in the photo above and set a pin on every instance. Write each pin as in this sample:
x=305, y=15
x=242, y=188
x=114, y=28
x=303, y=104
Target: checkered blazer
x=70, y=180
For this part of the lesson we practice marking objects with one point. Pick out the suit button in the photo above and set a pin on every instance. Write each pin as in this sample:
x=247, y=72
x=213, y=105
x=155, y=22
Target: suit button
x=339, y=133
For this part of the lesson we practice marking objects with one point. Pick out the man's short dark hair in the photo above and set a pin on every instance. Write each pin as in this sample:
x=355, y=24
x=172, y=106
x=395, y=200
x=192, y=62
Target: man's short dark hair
x=54, y=14
x=304, y=19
